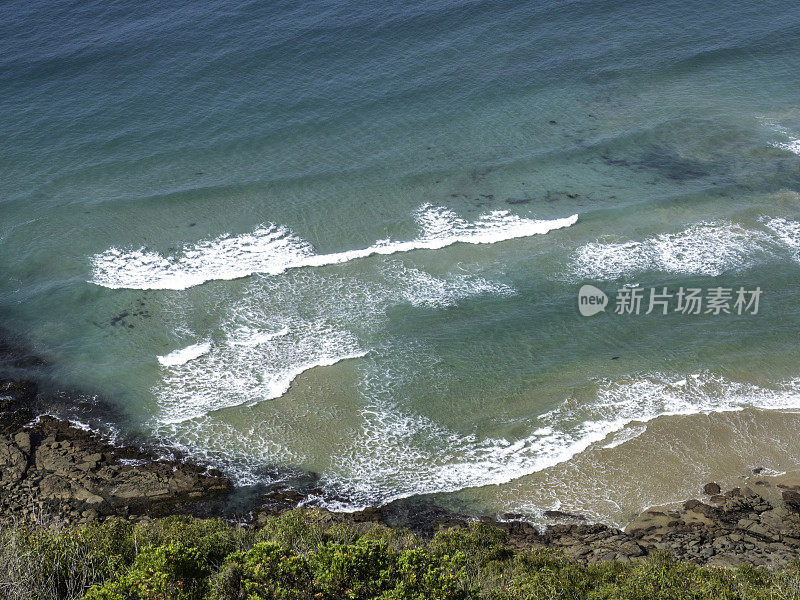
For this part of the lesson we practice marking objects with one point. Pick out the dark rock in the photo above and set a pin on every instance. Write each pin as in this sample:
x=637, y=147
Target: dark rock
x=791, y=500
x=693, y=505
x=561, y=515
x=711, y=489
x=513, y=516
x=60, y=468
x=370, y=514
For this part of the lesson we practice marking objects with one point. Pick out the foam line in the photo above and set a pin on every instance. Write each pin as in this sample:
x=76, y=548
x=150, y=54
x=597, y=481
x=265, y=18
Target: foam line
x=401, y=454
x=256, y=370
x=184, y=355
x=284, y=326
x=787, y=231
x=397, y=453
x=790, y=146
x=705, y=248
x=273, y=249
x=247, y=336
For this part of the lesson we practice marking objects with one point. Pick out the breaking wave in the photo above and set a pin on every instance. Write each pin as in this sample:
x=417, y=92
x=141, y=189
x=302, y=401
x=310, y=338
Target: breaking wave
x=400, y=454
x=705, y=248
x=273, y=249
x=184, y=355
x=283, y=327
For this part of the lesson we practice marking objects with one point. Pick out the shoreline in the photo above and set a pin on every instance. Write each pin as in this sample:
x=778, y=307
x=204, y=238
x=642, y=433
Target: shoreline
x=55, y=473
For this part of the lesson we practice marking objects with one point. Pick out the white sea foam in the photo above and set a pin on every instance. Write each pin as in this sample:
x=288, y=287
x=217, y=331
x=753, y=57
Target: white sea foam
x=284, y=326
x=401, y=454
x=787, y=231
x=250, y=336
x=244, y=373
x=419, y=288
x=133, y=462
x=767, y=472
x=246, y=454
x=394, y=451
x=268, y=249
x=790, y=143
x=184, y=355
x=272, y=249
x=631, y=432
x=704, y=248
x=790, y=146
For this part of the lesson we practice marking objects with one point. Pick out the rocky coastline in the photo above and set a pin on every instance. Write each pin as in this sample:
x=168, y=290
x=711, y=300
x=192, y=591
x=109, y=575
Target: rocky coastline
x=757, y=524
x=53, y=472
x=50, y=468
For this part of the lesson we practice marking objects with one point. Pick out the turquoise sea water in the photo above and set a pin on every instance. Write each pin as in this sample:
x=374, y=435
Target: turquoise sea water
x=341, y=237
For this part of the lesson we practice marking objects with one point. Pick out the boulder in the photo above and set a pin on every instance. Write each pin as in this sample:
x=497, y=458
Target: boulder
x=13, y=462
x=559, y=515
x=791, y=499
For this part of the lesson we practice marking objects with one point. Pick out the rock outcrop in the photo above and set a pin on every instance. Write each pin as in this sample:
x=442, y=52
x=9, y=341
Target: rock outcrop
x=49, y=468
x=756, y=525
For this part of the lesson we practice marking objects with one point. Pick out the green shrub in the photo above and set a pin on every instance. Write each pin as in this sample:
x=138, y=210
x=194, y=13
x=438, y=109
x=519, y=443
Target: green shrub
x=538, y=575
x=397, y=539
x=662, y=577
x=298, y=530
x=303, y=555
x=214, y=539
x=171, y=572
x=41, y=563
x=480, y=545
x=353, y=571
x=367, y=569
x=423, y=576
x=265, y=572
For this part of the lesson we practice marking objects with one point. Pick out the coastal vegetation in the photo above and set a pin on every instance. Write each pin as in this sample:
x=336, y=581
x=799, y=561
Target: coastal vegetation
x=302, y=555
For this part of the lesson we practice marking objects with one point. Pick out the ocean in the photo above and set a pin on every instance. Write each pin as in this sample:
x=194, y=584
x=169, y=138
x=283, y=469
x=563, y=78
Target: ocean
x=343, y=242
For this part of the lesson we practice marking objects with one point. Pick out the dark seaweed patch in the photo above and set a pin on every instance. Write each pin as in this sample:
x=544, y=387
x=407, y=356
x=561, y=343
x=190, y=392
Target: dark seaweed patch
x=478, y=175
x=667, y=163
x=673, y=166
x=556, y=195
x=122, y=318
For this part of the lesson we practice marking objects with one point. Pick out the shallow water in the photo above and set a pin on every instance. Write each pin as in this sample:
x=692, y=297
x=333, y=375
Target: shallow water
x=342, y=239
